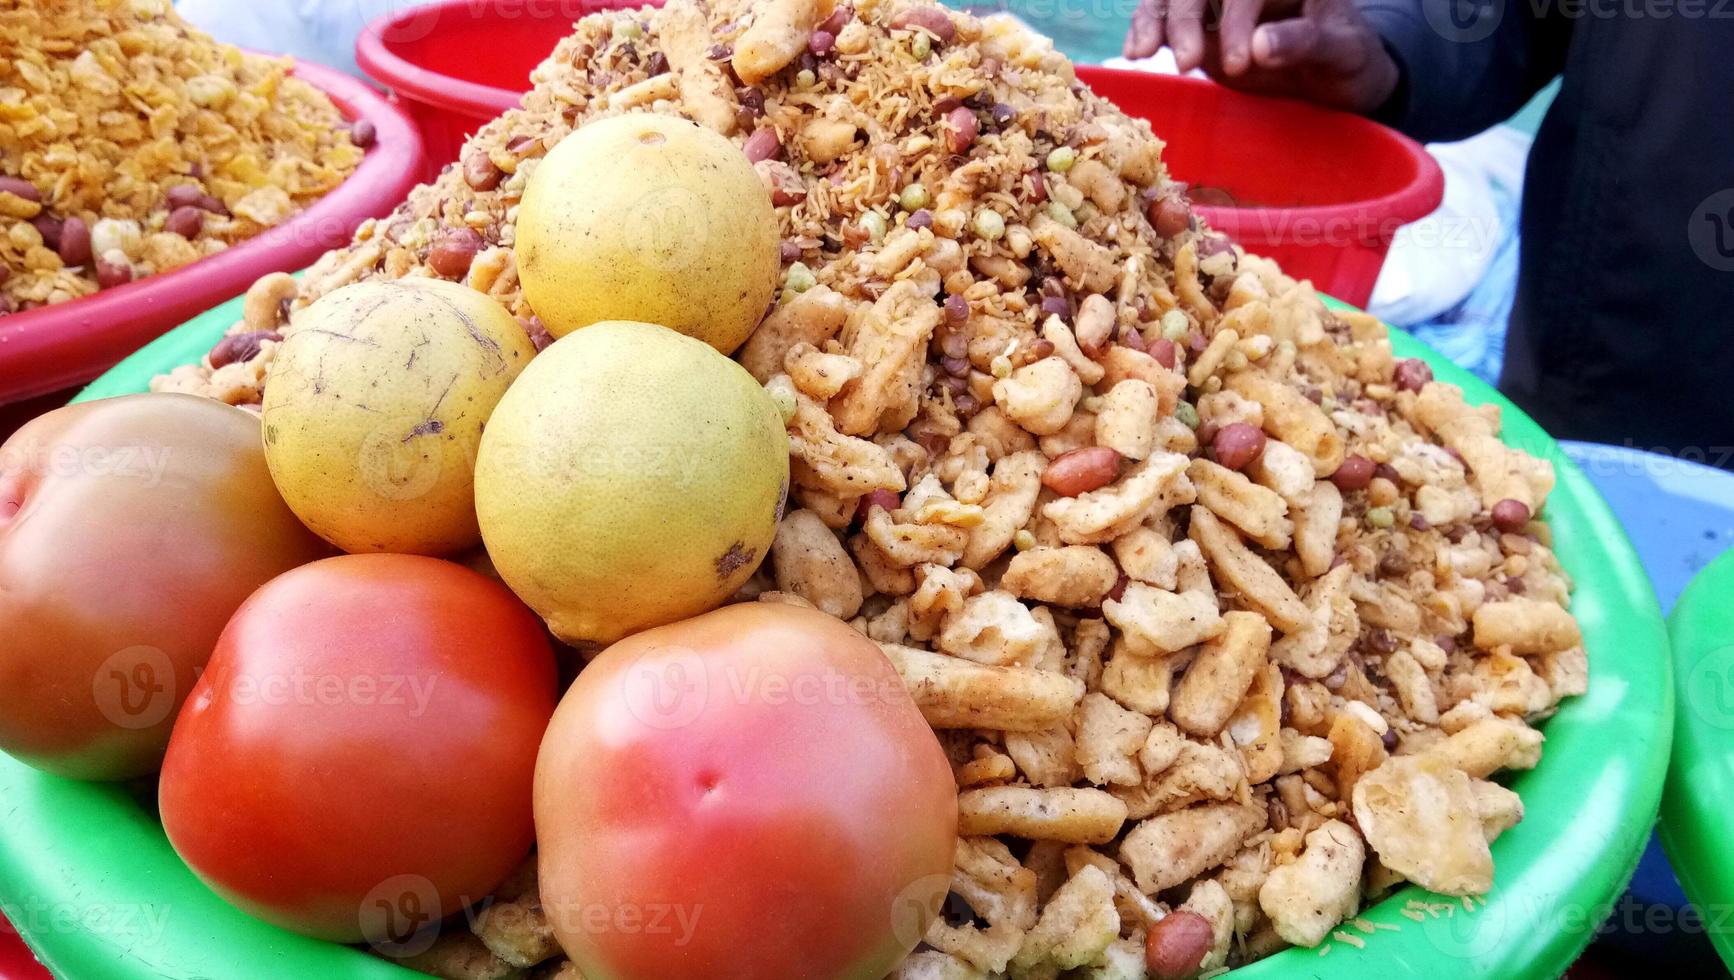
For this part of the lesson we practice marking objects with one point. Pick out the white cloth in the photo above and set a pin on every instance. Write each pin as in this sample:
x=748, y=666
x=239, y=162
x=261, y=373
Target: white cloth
x=320, y=31
x=1437, y=261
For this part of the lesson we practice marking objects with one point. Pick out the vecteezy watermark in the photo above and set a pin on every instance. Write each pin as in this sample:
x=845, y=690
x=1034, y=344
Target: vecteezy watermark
x=402, y=459
x=1044, y=12
x=140, y=924
x=674, y=919
x=135, y=687
x=1463, y=21
x=401, y=915
x=916, y=906
x=666, y=228
x=1711, y=230
x=670, y=687
x=666, y=687
x=671, y=463
x=301, y=687
x=1466, y=930
x=1654, y=461
x=1632, y=9
x=146, y=464
x=1709, y=689
x=1468, y=21
x=420, y=20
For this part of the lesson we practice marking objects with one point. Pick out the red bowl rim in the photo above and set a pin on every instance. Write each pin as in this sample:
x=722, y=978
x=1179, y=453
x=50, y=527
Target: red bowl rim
x=52, y=347
x=435, y=88
x=422, y=84
x=1415, y=200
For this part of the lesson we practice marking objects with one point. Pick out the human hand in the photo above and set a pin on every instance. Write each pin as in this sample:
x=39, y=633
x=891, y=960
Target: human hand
x=1323, y=51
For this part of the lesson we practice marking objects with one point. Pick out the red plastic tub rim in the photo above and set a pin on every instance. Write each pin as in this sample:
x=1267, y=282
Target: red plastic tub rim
x=51, y=347
x=376, y=48
x=1371, y=221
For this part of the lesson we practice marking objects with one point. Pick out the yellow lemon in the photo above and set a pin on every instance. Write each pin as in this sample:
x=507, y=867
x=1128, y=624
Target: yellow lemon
x=631, y=477
x=652, y=218
x=375, y=407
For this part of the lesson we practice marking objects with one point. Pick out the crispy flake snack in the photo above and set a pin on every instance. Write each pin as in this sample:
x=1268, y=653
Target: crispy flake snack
x=1422, y=819
x=1173, y=680
x=117, y=113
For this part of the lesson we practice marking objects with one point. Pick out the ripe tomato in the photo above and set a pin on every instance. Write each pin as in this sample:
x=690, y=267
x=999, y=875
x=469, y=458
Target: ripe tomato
x=748, y=795
x=357, y=760
x=130, y=529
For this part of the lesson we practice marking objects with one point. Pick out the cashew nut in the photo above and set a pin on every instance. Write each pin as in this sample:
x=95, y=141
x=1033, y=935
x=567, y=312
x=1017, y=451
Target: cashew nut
x=262, y=307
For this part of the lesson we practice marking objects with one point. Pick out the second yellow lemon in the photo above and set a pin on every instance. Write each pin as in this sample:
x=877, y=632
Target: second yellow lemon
x=631, y=477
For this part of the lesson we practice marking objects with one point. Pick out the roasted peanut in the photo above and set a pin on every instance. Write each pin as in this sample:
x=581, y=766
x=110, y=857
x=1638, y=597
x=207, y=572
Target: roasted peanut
x=453, y=251
x=1176, y=944
x=19, y=187
x=74, y=245
x=113, y=269
x=1237, y=445
x=1510, y=515
x=1170, y=215
x=239, y=348
x=1081, y=471
x=930, y=19
x=762, y=145
x=480, y=172
x=1413, y=374
x=186, y=222
x=1354, y=474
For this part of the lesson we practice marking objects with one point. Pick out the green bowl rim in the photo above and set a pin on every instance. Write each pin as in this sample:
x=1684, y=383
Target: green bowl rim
x=1701, y=772
x=82, y=853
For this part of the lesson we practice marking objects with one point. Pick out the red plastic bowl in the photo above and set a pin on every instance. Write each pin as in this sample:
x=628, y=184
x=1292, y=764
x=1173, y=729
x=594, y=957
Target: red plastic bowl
x=16, y=960
x=1320, y=192
x=456, y=64
x=55, y=347
x=1332, y=188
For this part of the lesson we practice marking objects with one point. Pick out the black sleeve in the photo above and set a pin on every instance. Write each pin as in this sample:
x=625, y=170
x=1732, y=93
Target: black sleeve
x=1465, y=64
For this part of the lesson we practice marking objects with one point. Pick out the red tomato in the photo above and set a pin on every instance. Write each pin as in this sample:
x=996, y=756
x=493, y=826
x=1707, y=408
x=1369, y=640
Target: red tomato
x=748, y=795
x=130, y=529
x=357, y=760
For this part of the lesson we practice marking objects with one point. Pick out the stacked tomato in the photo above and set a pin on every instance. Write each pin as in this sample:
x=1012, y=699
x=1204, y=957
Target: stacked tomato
x=353, y=745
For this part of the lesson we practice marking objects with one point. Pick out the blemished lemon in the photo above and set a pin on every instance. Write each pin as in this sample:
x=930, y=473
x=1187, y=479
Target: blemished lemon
x=632, y=476
x=375, y=408
x=652, y=218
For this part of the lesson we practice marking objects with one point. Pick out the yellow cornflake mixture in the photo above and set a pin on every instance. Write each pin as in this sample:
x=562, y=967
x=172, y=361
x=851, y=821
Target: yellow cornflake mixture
x=114, y=114
x=1266, y=693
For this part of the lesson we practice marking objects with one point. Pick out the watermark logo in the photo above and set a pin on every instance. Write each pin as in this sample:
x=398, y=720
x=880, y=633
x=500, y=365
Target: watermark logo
x=1460, y=932
x=1710, y=689
x=1711, y=231
x=400, y=916
x=675, y=920
x=300, y=687
x=1463, y=21
x=126, y=924
x=917, y=905
x=402, y=460
x=666, y=227
x=135, y=688
x=666, y=687
x=145, y=464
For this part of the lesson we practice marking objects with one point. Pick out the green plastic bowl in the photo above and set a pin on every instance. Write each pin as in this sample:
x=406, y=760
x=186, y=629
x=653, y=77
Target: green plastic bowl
x=93, y=886
x=1701, y=774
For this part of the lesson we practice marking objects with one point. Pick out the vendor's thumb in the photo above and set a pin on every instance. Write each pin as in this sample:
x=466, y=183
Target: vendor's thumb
x=1307, y=42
